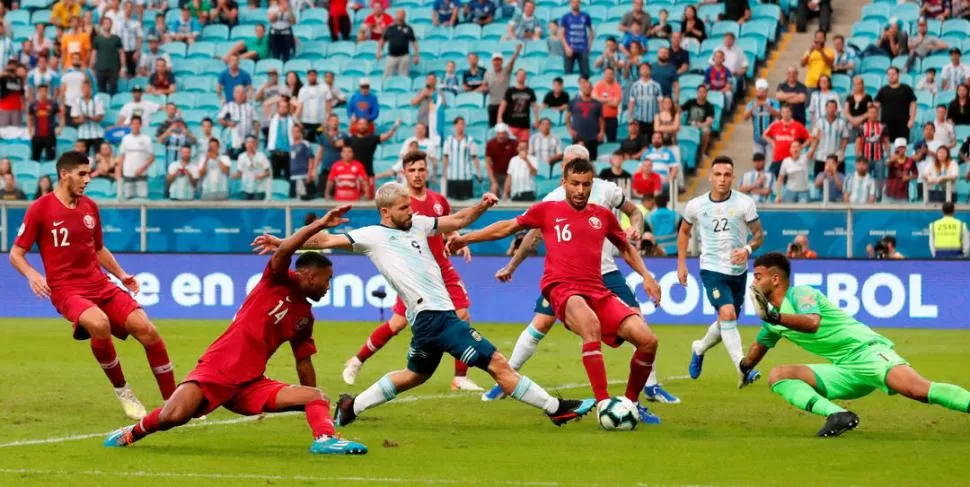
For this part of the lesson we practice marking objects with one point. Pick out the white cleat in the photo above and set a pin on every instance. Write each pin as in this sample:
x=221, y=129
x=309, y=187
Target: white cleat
x=464, y=384
x=130, y=404
x=351, y=369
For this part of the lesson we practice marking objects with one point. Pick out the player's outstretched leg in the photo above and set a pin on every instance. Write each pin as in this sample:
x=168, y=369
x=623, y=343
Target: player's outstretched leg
x=177, y=411
x=559, y=411
x=906, y=381
x=461, y=382
x=315, y=404
x=140, y=327
x=95, y=322
x=385, y=389
x=377, y=339
x=797, y=385
x=581, y=320
x=525, y=348
x=634, y=330
x=700, y=347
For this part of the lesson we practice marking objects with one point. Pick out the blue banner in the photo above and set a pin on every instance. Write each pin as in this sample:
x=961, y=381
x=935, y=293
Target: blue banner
x=915, y=294
x=911, y=229
x=228, y=230
x=826, y=231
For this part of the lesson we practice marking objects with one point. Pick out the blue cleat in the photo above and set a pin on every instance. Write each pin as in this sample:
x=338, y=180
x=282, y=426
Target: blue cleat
x=646, y=417
x=748, y=378
x=120, y=438
x=656, y=393
x=494, y=394
x=336, y=445
x=571, y=410
x=696, y=364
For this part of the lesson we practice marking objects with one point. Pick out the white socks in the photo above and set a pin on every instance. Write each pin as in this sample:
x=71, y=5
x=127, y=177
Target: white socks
x=652, y=378
x=530, y=393
x=375, y=395
x=732, y=341
x=711, y=338
x=525, y=346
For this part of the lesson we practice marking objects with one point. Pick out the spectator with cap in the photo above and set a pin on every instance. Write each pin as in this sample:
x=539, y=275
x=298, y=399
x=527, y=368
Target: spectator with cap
x=147, y=59
x=109, y=58
x=793, y=93
x=923, y=44
x=282, y=43
x=278, y=141
x=636, y=15
x=473, y=77
x=240, y=119
x=757, y=182
x=584, y=118
x=498, y=153
x=254, y=48
x=608, y=92
x=518, y=107
x=213, y=170
x=185, y=28
x=162, y=81
x=137, y=106
x=45, y=121
x=577, y=38
x=459, y=155
x=762, y=111
x=781, y=134
x=481, y=12
x=375, y=24
x=900, y=170
x=446, y=12
x=556, y=99
x=363, y=105
x=897, y=101
x=496, y=82
x=135, y=156
x=252, y=171
x=232, y=76
x=520, y=185
x=399, y=37
x=315, y=105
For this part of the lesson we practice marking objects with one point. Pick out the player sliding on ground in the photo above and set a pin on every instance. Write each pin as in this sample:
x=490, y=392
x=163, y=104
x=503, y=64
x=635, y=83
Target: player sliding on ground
x=862, y=360
x=609, y=195
x=230, y=372
x=398, y=247
x=428, y=203
x=66, y=226
x=725, y=218
x=574, y=231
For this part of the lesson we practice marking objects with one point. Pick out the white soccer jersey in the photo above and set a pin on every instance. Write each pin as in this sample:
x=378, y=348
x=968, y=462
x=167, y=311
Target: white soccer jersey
x=404, y=259
x=605, y=194
x=723, y=227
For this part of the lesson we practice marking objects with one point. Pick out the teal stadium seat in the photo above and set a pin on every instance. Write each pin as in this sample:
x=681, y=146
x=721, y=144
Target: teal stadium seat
x=314, y=16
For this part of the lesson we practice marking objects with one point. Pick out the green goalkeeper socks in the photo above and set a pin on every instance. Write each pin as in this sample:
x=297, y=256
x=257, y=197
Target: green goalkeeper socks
x=804, y=397
x=950, y=396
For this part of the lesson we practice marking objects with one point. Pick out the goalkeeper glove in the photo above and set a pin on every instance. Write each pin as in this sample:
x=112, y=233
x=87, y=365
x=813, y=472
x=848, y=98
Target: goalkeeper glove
x=764, y=309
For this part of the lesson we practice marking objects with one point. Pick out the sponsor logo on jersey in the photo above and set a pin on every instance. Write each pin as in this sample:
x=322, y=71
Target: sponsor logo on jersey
x=438, y=209
x=807, y=301
x=595, y=222
x=89, y=222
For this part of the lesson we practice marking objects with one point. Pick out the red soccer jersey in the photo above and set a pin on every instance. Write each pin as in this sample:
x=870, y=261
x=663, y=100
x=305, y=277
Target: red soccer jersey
x=434, y=205
x=372, y=21
x=784, y=134
x=574, y=241
x=68, y=238
x=274, y=312
x=345, y=176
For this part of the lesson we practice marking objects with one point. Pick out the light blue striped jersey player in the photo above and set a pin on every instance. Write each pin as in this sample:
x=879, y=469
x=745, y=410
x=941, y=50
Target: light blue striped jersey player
x=404, y=259
x=606, y=194
x=723, y=227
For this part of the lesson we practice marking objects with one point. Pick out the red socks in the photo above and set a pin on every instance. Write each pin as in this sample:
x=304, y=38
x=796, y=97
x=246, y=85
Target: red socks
x=104, y=353
x=376, y=341
x=318, y=416
x=161, y=367
x=147, y=425
x=596, y=370
x=640, y=366
x=461, y=368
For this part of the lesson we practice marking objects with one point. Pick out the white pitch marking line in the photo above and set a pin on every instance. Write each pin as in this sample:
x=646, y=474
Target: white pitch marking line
x=247, y=419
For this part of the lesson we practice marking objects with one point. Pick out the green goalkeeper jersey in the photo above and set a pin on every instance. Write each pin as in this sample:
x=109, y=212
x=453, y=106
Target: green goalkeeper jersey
x=838, y=336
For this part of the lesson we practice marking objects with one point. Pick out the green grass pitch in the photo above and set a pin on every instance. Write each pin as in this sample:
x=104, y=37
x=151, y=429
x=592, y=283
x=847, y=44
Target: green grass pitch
x=51, y=389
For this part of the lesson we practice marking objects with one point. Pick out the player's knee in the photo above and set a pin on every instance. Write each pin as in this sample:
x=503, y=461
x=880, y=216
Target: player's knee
x=315, y=394
x=544, y=325
x=649, y=343
x=779, y=374
x=498, y=364
x=96, y=323
x=173, y=415
x=727, y=313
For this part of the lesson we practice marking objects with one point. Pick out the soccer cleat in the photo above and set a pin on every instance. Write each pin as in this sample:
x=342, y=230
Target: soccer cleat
x=696, y=364
x=494, y=394
x=335, y=445
x=645, y=416
x=351, y=369
x=464, y=384
x=838, y=423
x=748, y=378
x=344, y=414
x=132, y=407
x=571, y=410
x=120, y=438
x=657, y=393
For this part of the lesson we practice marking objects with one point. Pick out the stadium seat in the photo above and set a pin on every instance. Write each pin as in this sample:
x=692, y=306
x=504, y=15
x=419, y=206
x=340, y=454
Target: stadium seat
x=766, y=11
x=215, y=32
x=494, y=32
x=174, y=49
x=944, y=97
x=366, y=51
x=468, y=32
x=311, y=16
x=207, y=103
x=312, y=51
x=253, y=15
x=470, y=100
x=875, y=64
x=958, y=27
x=25, y=169
x=342, y=49
x=242, y=32
x=280, y=189
x=878, y=12
x=265, y=65
x=204, y=50
x=101, y=189
x=41, y=17
x=438, y=33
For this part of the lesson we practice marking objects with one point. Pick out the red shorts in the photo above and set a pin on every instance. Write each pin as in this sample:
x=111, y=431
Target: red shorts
x=456, y=289
x=609, y=308
x=520, y=134
x=112, y=300
x=249, y=399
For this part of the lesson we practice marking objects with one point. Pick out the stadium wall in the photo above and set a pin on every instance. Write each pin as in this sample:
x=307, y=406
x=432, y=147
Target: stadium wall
x=911, y=294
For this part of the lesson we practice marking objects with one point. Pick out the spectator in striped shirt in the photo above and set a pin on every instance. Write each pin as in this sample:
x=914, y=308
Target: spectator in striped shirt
x=845, y=59
x=450, y=82
x=664, y=161
x=174, y=134
x=820, y=98
x=955, y=73
x=459, y=155
x=88, y=113
x=147, y=58
x=521, y=182
x=762, y=111
x=611, y=56
x=831, y=181
x=213, y=169
x=130, y=31
x=874, y=140
x=860, y=187
x=43, y=74
x=757, y=183
x=45, y=121
x=545, y=146
x=830, y=136
x=526, y=26
x=181, y=177
x=239, y=117
x=645, y=96
x=901, y=169
x=719, y=78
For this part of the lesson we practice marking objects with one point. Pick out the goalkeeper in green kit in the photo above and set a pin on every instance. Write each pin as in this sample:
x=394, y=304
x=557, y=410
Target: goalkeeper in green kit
x=861, y=359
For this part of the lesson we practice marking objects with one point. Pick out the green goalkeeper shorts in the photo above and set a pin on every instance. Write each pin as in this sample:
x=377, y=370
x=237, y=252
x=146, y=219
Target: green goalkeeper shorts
x=858, y=374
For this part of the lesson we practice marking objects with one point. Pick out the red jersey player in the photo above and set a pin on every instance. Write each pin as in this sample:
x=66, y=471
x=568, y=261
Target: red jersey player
x=573, y=283
x=66, y=226
x=230, y=372
x=428, y=203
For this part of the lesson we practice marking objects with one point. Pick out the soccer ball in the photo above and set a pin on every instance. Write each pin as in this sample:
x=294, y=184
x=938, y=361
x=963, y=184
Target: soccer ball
x=617, y=413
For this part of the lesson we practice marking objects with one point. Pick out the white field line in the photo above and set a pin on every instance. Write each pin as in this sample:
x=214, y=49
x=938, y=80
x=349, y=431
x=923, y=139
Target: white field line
x=247, y=419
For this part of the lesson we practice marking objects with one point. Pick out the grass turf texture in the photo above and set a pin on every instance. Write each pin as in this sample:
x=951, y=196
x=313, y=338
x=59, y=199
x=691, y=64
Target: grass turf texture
x=51, y=387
